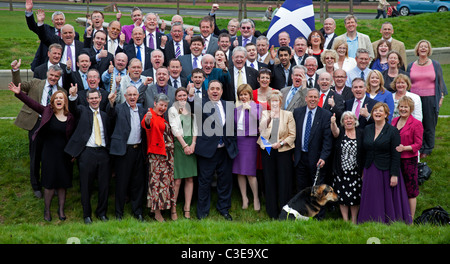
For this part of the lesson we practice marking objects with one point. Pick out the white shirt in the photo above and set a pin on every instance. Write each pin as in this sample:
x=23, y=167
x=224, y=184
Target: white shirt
x=236, y=74
x=262, y=58
x=44, y=97
x=255, y=64
x=135, y=124
x=175, y=47
x=91, y=141
x=64, y=56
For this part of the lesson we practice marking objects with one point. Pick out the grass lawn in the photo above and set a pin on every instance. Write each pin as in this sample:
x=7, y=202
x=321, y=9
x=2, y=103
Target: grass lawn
x=21, y=220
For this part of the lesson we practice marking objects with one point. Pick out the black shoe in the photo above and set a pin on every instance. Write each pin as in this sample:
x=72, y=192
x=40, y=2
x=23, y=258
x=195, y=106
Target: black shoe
x=103, y=218
x=227, y=217
x=49, y=218
x=88, y=220
x=139, y=217
x=62, y=218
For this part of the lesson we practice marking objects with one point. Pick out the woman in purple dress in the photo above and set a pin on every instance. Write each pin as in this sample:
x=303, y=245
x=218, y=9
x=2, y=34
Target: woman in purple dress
x=383, y=195
x=246, y=119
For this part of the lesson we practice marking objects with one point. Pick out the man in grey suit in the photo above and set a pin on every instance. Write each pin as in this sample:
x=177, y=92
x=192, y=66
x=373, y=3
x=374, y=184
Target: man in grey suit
x=160, y=85
x=40, y=91
x=207, y=29
x=294, y=96
x=193, y=60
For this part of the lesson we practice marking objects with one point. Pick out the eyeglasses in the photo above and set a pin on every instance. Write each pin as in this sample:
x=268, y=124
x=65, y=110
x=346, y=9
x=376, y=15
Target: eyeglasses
x=246, y=27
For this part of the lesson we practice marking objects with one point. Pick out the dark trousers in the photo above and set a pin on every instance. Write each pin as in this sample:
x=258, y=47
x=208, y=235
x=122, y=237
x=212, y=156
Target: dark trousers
x=130, y=176
x=94, y=164
x=429, y=122
x=278, y=172
x=305, y=174
x=35, y=151
x=222, y=164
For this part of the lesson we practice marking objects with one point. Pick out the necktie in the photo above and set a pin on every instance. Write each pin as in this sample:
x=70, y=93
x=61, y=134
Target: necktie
x=206, y=47
x=291, y=95
x=69, y=55
x=310, y=84
x=150, y=41
x=175, y=83
x=321, y=100
x=112, y=46
x=220, y=120
x=252, y=65
x=194, y=65
x=307, y=131
x=84, y=79
x=138, y=53
x=362, y=75
x=245, y=42
x=358, y=107
x=59, y=32
x=198, y=93
x=98, y=137
x=239, y=80
x=178, y=51
x=50, y=93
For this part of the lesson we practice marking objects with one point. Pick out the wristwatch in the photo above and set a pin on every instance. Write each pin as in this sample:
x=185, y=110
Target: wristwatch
x=281, y=143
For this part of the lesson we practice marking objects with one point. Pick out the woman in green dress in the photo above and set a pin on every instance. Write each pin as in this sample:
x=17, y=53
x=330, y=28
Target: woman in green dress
x=184, y=129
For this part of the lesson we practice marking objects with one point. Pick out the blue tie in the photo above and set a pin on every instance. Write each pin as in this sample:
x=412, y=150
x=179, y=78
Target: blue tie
x=362, y=75
x=291, y=95
x=138, y=53
x=307, y=131
x=194, y=65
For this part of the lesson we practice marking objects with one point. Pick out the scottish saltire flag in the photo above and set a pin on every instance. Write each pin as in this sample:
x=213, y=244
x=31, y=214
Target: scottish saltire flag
x=266, y=144
x=296, y=17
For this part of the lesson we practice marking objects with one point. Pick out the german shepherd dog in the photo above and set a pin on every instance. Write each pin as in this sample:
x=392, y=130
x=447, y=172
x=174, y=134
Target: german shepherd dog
x=308, y=202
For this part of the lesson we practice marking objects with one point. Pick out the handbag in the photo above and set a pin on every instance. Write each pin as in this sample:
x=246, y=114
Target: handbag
x=436, y=215
x=424, y=172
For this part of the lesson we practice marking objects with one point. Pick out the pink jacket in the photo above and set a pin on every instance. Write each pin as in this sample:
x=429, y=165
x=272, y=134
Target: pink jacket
x=411, y=135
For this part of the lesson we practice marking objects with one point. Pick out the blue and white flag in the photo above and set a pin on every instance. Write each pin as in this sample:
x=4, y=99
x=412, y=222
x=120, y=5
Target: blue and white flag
x=266, y=144
x=296, y=17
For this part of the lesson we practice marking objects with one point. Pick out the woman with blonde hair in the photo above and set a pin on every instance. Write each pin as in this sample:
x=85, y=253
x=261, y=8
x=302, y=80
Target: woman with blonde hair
x=401, y=86
x=375, y=90
x=344, y=61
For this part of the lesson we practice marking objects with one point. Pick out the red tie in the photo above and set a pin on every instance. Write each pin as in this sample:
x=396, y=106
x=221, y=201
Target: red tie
x=321, y=100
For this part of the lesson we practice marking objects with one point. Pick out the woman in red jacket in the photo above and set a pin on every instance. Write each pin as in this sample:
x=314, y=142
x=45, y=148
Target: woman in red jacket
x=160, y=146
x=56, y=127
x=411, y=134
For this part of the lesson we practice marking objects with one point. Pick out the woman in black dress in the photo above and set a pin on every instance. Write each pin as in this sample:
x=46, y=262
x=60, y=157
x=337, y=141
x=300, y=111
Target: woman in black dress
x=56, y=127
x=347, y=163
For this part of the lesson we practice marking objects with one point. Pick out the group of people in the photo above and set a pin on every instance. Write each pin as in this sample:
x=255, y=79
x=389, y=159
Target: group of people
x=152, y=109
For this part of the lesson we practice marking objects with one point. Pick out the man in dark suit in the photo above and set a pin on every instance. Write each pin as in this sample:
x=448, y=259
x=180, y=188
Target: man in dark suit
x=240, y=74
x=137, y=49
x=329, y=99
x=313, y=143
x=152, y=36
x=361, y=105
x=246, y=27
x=54, y=56
x=329, y=26
x=79, y=77
x=175, y=47
x=176, y=79
x=90, y=145
x=215, y=149
x=58, y=20
x=193, y=60
x=40, y=91
x=340, y=77
x=93, y=80
x=71, y=47
x=300, y=51
x=127, y=148
x=252, y=57
x=100, y=57
x=311, y=75
x=281, y=73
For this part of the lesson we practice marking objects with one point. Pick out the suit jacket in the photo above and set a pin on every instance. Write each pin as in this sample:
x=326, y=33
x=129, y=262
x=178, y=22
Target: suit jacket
x=286, y=130
x=208, y=139
x=297, y=101
x=74, y=77
x=186, y=63
x=410, y=135
x=46, y=113
x=362, y=120
x=278, y=77
x=27, y=117
x=84, y=116
x=47, y=40
x=88, y=43
x=221, y=76
x=120, y=117
x=130, y=51
x=320, y=141
x=41, y=53
x=381, y=151
x=82, y=99
x=213, y=45
x=258, y=64
x=339, y=102
x=169, y=51
x=102, y=65
x=147, y=96
x=395, y=45
x=183, y=79
x=239, y=38
x=252, y=80
x=363, y=42
x=346, y=93
x=158, y=39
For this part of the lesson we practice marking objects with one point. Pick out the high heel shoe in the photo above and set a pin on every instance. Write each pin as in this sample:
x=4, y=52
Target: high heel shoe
x=62, y=218
x=47, y=218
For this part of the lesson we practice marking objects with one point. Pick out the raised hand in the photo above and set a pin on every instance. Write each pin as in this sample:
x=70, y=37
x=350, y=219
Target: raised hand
x=73, y=90
x=29, y=5
x=163, y=41
x=333, y=119
x=331, y=101
x=69, y=64
x=12, y=87
x=15, y=65
x=103, y=53
x=118, y=79
x=40, y=16
x=118, y=16
x=112, y=97
x=163, y=26
x=364, y=111
x=273, y=52
x=122, y=38
x=148, y=80
x=148, y=116
x=110, y=67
